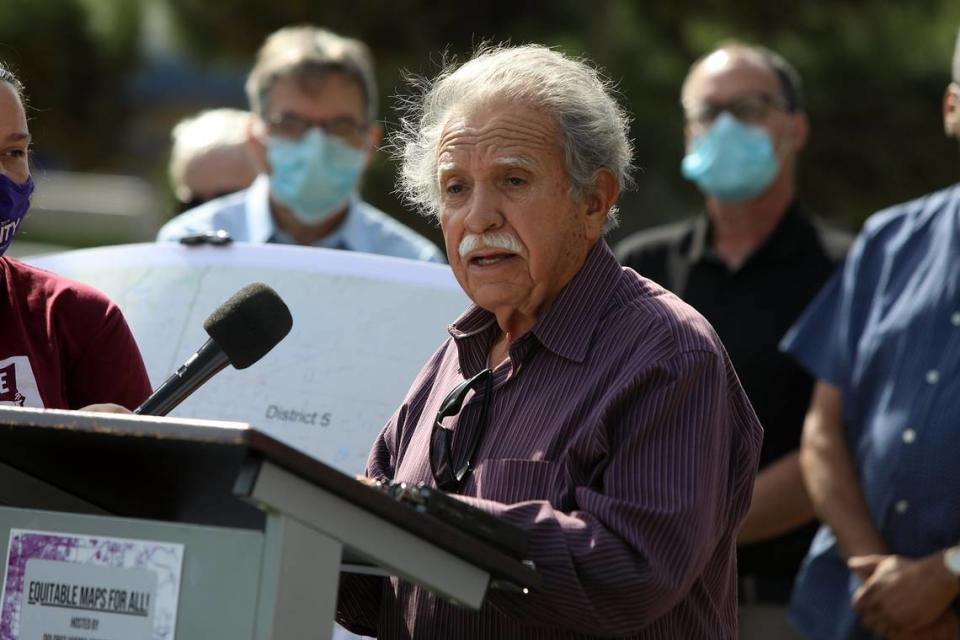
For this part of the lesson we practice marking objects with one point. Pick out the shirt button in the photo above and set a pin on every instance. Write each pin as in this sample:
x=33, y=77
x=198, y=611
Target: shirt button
x=901, y=506
x=933, y=376
x=909, y=436
x=955, y=318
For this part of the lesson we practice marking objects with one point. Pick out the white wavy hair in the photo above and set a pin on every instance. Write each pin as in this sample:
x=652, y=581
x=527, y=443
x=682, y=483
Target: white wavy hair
x=592, y=125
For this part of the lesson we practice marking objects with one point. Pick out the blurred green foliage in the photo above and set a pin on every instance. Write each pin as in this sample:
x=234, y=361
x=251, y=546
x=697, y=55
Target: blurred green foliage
x=874, y=72
x=73, y=56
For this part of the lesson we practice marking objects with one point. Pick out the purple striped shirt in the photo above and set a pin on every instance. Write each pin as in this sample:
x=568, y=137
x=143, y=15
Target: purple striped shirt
x=618, y=437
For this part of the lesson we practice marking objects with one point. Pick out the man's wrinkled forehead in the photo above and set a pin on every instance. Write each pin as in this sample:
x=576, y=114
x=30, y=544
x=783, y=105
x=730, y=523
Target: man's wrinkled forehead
x=447, y=161
x=510, y=136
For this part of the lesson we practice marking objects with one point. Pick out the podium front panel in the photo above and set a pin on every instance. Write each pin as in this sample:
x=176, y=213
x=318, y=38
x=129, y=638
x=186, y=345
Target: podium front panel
x=221, y=567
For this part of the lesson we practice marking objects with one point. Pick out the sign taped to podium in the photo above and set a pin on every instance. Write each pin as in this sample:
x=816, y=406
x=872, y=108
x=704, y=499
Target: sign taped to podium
x=62, y=585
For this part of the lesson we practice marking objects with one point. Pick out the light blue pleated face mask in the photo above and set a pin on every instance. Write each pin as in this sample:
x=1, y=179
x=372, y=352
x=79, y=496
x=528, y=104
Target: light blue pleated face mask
x=731, y=161
x=314, y=175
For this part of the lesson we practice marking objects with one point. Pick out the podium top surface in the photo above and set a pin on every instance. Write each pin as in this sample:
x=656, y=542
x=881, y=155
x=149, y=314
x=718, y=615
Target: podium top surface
x=198, y=472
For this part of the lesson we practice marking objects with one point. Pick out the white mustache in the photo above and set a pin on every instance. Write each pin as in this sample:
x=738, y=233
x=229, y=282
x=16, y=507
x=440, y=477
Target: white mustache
x=489, y=240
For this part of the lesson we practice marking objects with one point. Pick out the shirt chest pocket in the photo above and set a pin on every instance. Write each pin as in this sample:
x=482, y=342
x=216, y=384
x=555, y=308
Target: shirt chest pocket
x=511, y=480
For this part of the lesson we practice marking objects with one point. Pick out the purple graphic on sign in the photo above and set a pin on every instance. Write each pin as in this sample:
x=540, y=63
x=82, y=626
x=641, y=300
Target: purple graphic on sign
x=165, y=559
x=22, y=548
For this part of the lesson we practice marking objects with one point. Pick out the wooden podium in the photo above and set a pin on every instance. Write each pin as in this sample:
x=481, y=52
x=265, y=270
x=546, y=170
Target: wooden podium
x=267, y=529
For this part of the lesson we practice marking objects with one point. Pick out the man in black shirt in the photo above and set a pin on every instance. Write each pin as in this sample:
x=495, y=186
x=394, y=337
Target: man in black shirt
x=751, y=265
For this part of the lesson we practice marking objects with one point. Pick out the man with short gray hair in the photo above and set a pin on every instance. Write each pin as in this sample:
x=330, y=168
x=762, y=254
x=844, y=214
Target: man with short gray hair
x=602, y=415
x=312, y=136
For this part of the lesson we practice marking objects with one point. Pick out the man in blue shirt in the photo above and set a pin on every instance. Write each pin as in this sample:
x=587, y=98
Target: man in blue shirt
x=312, y=136
x=880, y=440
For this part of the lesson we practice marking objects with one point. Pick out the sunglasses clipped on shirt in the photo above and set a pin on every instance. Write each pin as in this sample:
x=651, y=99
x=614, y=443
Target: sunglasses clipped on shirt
x=449, y=475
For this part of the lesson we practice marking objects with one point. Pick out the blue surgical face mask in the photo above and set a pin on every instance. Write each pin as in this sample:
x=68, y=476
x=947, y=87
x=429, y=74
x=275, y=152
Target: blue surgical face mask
x=731, y=161
x=14, y=202
x=314, y=175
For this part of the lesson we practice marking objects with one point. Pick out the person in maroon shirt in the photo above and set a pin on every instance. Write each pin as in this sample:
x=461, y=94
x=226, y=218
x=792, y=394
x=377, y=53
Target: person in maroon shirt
x=64, y=344
x=604, y=416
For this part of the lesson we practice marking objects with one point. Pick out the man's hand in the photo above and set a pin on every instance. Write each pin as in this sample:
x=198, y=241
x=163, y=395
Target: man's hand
x=106, y=407
x=901, y=595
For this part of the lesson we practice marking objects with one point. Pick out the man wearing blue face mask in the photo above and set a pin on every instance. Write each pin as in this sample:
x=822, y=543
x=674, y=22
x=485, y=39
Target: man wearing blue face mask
x=750, y=265
x=312, y=136
x=63, y=345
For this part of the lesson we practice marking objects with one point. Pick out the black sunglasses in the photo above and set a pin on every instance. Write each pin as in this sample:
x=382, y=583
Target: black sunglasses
x=449, y=476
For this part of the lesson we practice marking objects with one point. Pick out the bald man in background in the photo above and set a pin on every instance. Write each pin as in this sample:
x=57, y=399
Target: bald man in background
x=750, y=264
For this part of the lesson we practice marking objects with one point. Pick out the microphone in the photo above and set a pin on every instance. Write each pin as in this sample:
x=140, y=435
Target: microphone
x=242, y=330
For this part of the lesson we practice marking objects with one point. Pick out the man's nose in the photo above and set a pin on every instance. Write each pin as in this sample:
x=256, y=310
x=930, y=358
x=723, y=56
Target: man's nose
x=485, y=212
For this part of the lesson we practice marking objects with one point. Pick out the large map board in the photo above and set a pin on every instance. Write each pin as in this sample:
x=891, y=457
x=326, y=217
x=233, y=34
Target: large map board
x=363, y=325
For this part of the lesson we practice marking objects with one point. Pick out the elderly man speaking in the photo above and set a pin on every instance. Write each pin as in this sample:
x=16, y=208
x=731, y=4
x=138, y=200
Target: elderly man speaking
x=603, y=416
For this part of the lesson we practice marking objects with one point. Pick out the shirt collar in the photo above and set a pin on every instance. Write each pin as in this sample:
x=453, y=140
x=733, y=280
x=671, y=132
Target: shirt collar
x=781, y=244
x=260, y=225
x=700, y=239
x=566, y=329
x=351, y=234
x=784, y=243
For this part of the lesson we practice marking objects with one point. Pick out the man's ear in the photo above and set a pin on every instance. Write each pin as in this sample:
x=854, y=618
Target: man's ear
x=799, y=130
x=374, y=138
x=603, y=196
x=256, y=148
x=951, y=110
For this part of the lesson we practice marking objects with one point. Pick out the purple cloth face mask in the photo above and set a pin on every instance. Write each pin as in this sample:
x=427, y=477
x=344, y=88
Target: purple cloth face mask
x=14, y=202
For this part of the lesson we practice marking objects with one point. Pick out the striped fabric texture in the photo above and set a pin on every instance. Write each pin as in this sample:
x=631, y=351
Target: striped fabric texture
x=619, y=438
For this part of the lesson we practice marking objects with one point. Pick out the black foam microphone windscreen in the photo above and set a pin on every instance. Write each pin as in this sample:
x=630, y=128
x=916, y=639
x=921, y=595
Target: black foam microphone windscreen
x=249, y=324
x=242, y=330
